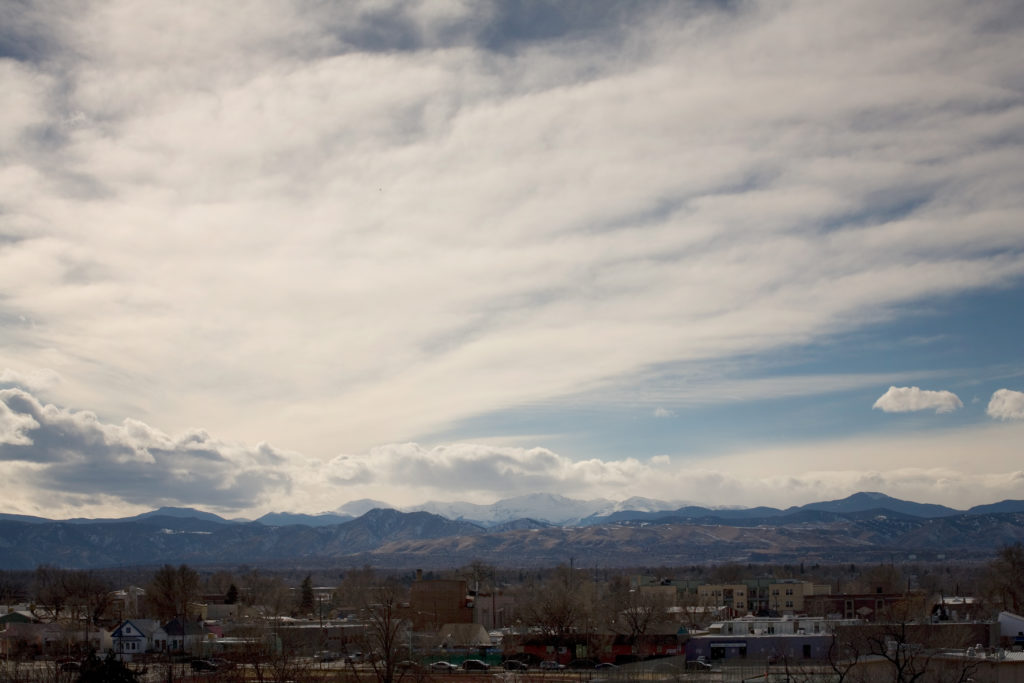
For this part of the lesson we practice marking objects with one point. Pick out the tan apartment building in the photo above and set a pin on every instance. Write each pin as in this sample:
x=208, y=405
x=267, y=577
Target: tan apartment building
x=783, y=596
x=664, y=595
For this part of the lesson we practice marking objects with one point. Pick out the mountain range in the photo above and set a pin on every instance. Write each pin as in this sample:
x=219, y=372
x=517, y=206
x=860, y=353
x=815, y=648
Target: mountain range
x=535, y=530
x=562, y=511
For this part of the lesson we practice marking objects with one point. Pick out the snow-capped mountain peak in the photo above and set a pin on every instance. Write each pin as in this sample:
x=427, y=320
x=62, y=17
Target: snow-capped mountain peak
x=546, y=507
x=358, y=508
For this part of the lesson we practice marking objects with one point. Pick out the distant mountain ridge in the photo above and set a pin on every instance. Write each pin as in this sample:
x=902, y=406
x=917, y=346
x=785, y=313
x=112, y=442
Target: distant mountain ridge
x=556, y=510
x=183, y=513
x=870, y=500
x=292, y=519
x=846, y=530
x=864, y=501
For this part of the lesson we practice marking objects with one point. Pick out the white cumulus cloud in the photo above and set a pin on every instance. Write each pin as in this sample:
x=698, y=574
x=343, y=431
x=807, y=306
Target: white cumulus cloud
x=59, y=461
x=913, y=399
x=74, y=456
x=14, y=426
x=1006, y=404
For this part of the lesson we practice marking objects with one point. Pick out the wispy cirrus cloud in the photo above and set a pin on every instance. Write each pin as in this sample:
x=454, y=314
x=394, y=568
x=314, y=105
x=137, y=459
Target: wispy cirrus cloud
x=389, y=218
x=35, y=380
x=914, y=399
x=336, y=226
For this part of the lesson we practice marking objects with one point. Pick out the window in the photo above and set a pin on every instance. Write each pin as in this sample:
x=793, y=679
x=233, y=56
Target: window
x=789, y=591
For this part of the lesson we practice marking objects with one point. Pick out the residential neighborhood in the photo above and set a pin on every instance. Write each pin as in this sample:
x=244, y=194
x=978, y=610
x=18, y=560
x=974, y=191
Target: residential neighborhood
x=376, y=626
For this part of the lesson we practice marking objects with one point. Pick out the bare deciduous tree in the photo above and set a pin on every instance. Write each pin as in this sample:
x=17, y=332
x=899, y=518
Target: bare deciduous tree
x=635, y=609
x=12, y=589
x=354, y=585
x=1003, y=582
x=911, y=651
x=220, y=581
x=268, y=591
x=89, y=594
x=386, y=633
x=561, y=606
x=50, y=592
x=172, y=590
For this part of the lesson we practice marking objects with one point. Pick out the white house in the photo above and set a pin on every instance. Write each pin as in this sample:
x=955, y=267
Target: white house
x=135, y=636
x=1011, y=626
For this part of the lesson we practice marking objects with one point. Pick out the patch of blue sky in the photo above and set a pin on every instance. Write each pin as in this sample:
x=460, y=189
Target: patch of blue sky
x=968, y=344
x=883, y=206
x=980, y=330
x=611, y=432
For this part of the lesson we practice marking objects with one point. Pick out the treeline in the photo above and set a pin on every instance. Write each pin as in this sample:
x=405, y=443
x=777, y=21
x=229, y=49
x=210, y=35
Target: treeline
x=169, y=589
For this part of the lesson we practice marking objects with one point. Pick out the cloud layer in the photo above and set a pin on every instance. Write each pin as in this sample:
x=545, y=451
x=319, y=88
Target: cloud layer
x=62, y=463
x=344, y=225
x=332, y=226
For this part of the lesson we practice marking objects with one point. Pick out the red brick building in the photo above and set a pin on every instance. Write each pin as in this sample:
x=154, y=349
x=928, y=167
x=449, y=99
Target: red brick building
x=436, y=602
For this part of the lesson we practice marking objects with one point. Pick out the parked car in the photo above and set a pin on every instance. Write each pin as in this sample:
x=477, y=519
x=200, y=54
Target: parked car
x=700, y=664
x=582, y=664
x=326, y=656
x=443, y=666
x=353, y=657
x=605, y=665
x=551, y=665
x=407, y=665
x=515, y=665
x=203, y=665
x=475, y=665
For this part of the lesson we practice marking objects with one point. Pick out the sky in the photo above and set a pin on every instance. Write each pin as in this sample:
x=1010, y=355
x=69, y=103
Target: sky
x=271, y=256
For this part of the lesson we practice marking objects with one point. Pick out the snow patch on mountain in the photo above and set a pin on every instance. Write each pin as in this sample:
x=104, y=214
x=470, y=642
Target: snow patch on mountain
x=546, y=507
x=358, y=508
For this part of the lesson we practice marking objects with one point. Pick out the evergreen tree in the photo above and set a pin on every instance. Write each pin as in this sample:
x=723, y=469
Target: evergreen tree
x=109, y=670
x=231, y=597
x=306, y=595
